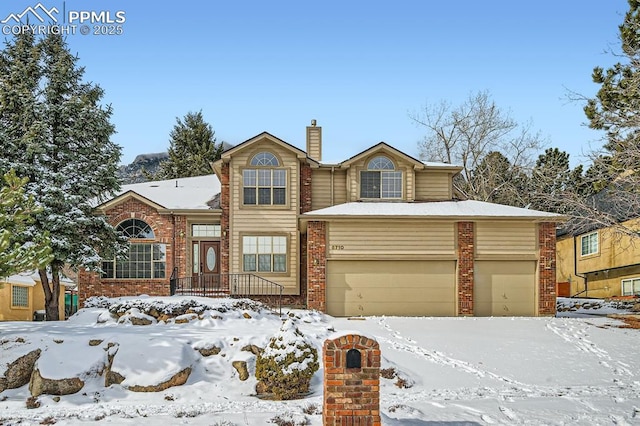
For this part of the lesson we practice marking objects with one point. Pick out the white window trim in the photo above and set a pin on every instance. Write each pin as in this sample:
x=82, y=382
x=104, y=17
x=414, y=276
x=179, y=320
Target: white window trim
x=631, y=280
x=591, y=253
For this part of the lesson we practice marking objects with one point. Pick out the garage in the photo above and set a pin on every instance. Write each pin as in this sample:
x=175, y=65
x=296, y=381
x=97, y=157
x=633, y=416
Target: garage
x=504, y=288
x=374, y=287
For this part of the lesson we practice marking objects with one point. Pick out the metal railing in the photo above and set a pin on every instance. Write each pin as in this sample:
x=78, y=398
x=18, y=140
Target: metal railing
x=228, y=285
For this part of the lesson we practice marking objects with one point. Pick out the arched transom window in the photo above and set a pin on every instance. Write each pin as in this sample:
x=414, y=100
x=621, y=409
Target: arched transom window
x=135, y=228
x=381, y=179
x=144, y=260
x=264, y=183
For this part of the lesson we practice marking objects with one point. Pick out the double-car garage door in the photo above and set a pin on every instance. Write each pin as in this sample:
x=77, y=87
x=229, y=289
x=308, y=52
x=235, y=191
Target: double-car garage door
x=427, y=288
x=408, y=288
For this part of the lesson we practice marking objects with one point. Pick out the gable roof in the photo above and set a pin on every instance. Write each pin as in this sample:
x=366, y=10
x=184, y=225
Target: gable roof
x=192, y=193
x=258, y=138
x=468, y=209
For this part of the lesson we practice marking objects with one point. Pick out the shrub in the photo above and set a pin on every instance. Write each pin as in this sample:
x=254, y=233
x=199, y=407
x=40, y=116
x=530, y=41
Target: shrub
x=288, y=363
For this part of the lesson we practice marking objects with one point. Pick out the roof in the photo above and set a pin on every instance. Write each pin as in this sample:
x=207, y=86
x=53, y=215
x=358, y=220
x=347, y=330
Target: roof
x=440, y=209
x=177, y=194
x=29, y=279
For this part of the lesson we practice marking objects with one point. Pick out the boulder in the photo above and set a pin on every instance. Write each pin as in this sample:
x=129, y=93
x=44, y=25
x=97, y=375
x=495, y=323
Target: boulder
x=19, y=371
x=208, y=351
x=41, y=385
x=177, y=379
x=241, y=368
x=256, y=350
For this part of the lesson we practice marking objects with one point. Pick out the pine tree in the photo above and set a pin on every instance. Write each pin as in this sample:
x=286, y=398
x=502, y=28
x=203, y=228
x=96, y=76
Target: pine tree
x=58, y=136
x=192, y=148
x=17, y=210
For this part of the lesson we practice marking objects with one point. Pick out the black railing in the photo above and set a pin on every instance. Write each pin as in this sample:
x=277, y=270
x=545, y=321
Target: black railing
x=228, y=285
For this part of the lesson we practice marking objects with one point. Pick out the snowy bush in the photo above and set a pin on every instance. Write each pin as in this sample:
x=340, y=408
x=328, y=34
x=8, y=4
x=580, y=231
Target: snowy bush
x=288, y=363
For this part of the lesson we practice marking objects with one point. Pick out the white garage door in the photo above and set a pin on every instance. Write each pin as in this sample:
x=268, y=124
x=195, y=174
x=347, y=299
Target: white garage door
x=368, y=287
x=504, y=288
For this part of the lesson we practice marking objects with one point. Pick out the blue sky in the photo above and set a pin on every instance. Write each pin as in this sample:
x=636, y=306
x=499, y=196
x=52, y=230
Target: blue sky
x=357, y=67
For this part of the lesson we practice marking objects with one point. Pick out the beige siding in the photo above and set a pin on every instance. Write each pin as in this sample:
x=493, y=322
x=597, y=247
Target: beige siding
x=353, y=176
x=265, y=220
x=504, y=288
x=357, y=287
x=433, y=185
x=340, y=187
x=328, y=188
x=506, y=239
x=399, y=239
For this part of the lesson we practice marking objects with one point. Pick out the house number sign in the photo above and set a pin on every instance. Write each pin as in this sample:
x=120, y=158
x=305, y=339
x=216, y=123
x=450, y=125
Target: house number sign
x=337, y=247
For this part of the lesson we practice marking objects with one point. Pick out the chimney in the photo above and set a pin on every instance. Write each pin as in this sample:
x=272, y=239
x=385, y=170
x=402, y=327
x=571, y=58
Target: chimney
x=314, y=141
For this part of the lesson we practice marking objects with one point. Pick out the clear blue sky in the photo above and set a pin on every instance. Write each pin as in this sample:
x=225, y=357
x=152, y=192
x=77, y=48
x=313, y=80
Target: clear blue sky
x=358, y=67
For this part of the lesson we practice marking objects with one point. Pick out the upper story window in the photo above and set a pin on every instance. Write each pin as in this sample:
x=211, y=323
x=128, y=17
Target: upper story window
x=144, y=260
x=589, y=244
x=266, y=184
x=381, y=179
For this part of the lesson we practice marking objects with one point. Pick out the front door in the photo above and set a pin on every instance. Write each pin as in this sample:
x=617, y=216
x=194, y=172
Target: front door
x=206, y=266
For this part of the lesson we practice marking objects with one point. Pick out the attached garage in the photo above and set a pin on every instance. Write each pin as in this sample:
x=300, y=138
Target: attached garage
x=504, y=288
x=374, y=287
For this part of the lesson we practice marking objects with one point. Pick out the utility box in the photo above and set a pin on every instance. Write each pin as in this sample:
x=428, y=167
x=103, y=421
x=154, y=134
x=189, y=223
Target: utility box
x=351, y=381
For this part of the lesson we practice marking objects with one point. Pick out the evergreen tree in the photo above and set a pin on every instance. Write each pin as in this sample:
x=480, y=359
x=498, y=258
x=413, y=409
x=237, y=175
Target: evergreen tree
x=58, y=135
x=192, y=148
x=17, y=210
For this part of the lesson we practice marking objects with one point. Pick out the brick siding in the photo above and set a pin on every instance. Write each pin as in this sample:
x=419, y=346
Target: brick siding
x=466, y=254
x=316, y=265
x=224, y=219
x=547, y=268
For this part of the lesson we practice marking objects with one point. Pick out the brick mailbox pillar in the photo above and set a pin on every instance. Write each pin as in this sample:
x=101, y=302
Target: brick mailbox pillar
x=351, y=381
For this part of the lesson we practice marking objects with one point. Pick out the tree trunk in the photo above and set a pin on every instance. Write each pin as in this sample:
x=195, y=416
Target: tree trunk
x=51, y=291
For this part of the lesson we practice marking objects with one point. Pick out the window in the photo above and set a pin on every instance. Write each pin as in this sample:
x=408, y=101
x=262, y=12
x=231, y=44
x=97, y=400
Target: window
x=19, y=296
x=631, y=287
x=264, y=254
x=205, y=230
x=264, y=186
x=589, y=244
x=143, y=260
x=381, y=180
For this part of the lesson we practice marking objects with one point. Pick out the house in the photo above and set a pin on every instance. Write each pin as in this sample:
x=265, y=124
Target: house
x=379, y=233
x=22, y=296
x=599, y=262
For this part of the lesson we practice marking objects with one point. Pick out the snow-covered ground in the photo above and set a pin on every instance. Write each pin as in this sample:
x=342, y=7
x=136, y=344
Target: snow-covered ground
x=580, y=368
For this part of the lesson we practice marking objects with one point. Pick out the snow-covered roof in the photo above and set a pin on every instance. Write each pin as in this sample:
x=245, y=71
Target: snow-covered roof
x=181, y=193
x=29, y=279
x=469, y=208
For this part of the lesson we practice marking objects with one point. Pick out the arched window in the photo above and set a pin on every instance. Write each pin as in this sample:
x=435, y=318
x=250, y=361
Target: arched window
x=265, y=184
x=265, y=159
x=381, y=179
x=144, y=260
x=135, y=228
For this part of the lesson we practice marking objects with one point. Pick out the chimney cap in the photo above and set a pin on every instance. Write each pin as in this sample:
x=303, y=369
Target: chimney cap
x=313, y=123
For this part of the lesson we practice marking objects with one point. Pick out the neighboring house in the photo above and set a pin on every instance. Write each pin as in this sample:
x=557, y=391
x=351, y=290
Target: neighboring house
x=381, y=233
x=21, y=296
x=599, y=263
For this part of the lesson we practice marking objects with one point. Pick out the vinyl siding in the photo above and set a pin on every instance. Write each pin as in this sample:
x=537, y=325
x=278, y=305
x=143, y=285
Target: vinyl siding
x=506, y=239
x=433, y=185
x=321, y=188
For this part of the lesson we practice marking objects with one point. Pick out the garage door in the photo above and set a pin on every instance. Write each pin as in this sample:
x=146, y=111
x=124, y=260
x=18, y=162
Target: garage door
x=367, y=287
x=504, y=288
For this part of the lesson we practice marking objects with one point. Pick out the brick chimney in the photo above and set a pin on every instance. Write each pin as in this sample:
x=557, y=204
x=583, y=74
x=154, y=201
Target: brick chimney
x=314, y=141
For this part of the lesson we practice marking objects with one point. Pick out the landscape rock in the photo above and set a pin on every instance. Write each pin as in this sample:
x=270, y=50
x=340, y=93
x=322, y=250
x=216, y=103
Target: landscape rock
x=41, y=385
x=256, y=350
x=19, y=372
x=177, y=379
x=213, y=350
x=241, y=368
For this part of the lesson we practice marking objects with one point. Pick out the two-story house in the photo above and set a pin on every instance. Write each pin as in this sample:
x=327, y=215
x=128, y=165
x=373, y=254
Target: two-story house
x=379, y=233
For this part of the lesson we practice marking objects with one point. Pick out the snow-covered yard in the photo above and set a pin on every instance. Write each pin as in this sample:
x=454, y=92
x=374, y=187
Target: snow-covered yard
x=581, y=368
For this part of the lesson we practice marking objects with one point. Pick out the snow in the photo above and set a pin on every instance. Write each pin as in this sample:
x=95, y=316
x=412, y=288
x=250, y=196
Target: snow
x=445, y=209
x=578, y=368
x=29, y=279
x=182, y=193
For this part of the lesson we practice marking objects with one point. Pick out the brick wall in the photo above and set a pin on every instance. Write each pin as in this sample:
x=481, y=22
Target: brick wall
x=547, y=268
x=224, y=219
x=305, y=188
x=351, y=395
x=466, y=254
x=316, y=265
x=305, y=206
x=90, y=284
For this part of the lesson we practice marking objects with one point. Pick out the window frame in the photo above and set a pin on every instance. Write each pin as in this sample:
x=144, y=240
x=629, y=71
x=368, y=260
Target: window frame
x=390, y=179
x=590, y=250
x=25, y=296
x=284, y=253
x=265, y=182
x=633, y=281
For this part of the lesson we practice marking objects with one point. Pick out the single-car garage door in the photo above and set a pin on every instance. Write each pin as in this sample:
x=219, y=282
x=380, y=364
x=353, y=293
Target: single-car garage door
x=372, y=287
x=504, y=288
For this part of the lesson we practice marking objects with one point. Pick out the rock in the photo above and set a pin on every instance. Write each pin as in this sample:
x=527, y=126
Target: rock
x=95, y=342
x=113, y=378
x=56, y=399
x=41, y=385
x=241, y=368
x=140, y=321
x=213, y=350
x=246, y=315
x=636, y=307
x=178, y=379
x=256, y=350
x=19, y=371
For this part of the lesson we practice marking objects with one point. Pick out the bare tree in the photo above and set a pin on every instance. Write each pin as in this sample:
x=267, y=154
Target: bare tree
x=468, y=133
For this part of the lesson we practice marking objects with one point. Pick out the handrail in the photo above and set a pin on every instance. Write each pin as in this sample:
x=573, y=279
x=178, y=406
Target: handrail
x=228, y=285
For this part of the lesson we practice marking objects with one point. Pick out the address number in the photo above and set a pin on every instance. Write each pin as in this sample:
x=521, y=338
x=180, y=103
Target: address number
x=337, y=247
